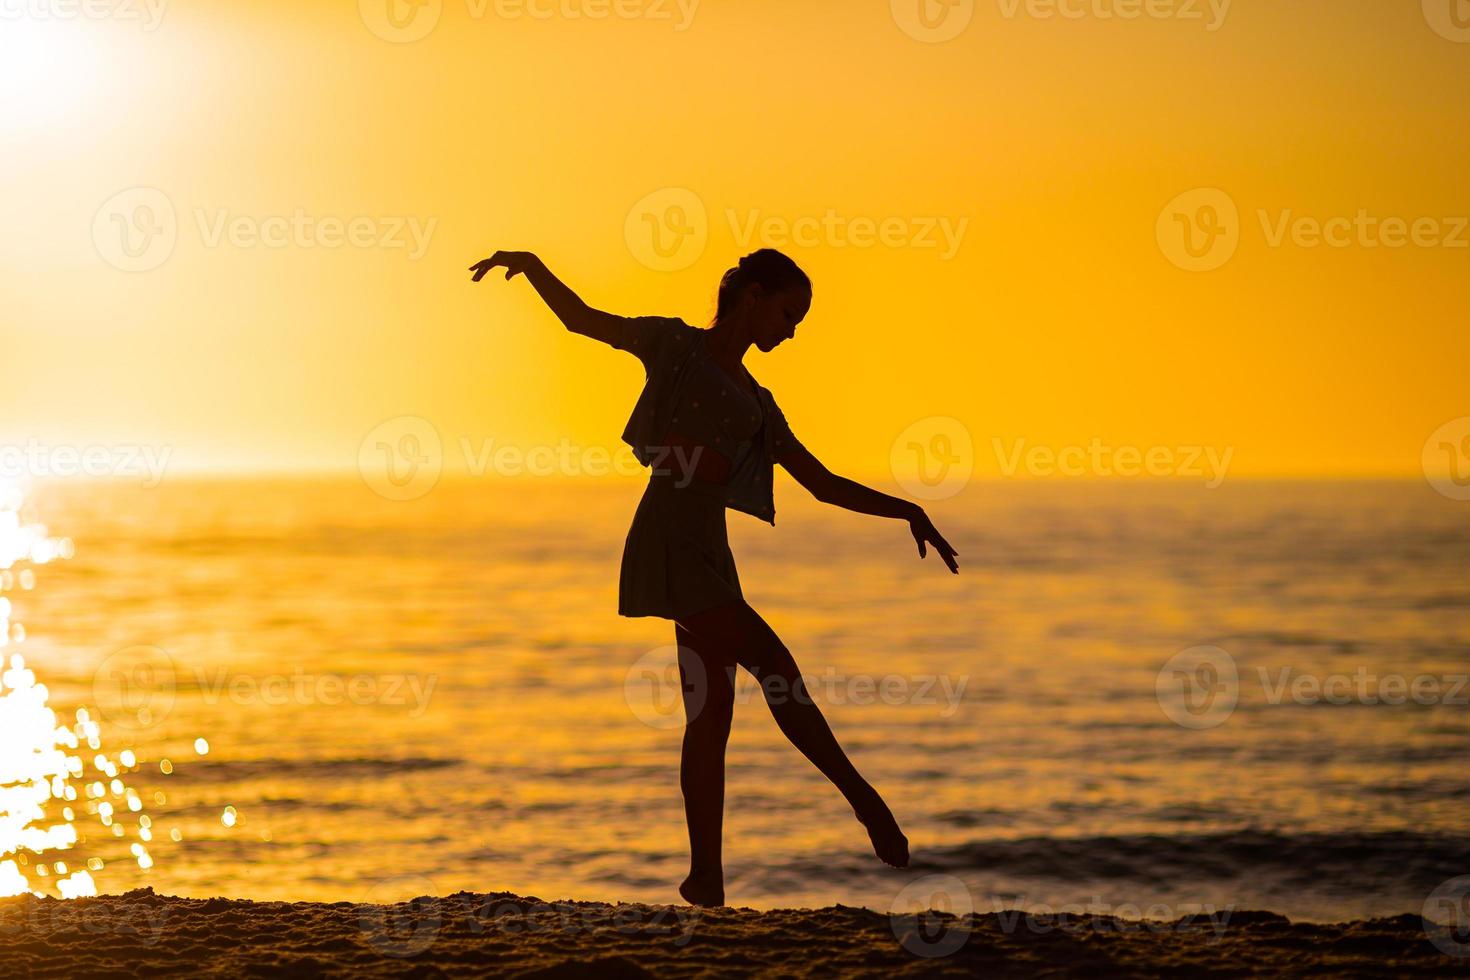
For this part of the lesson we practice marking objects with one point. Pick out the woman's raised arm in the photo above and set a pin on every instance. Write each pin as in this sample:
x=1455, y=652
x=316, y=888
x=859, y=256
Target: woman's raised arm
x=567, y=305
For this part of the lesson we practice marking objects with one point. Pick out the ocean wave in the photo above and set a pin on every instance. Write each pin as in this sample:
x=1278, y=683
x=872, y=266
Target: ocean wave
x=1312, y=861
x=358, y=767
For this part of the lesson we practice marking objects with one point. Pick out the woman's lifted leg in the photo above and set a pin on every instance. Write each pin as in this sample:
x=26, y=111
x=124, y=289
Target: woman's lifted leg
x=736, y=633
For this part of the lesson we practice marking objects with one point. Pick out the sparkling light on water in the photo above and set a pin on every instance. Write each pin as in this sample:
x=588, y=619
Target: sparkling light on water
x=48, y=797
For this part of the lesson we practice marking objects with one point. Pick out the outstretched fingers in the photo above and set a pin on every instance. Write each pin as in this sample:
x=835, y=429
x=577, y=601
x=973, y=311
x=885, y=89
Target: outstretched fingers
x=948, y=554
x=507, y=259
x=924, y=534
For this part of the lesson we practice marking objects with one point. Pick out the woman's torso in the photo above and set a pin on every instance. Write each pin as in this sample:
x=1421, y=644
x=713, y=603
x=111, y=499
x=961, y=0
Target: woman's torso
x=715, y=426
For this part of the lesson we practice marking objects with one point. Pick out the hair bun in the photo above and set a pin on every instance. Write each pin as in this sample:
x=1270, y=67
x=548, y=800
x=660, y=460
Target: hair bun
x=767, y=266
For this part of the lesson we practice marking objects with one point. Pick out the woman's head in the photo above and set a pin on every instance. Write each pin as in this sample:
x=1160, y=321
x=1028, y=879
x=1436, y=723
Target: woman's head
x=768, y=293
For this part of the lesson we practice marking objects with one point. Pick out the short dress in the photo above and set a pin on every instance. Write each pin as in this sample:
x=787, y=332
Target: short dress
x=677, y=559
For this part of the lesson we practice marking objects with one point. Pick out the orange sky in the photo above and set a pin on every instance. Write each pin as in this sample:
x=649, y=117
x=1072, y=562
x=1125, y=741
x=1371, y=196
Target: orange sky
x=1046, y=145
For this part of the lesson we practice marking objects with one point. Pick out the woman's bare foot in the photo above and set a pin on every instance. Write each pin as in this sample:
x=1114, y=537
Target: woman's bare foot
x=704, y=888
x=889, y=843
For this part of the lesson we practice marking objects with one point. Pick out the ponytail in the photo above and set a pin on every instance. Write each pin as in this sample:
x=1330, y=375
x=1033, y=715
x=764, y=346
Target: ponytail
x=771, y=269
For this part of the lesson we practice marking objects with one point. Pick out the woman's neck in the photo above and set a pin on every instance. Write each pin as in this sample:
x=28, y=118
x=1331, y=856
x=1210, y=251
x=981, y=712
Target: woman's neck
x=728, y=341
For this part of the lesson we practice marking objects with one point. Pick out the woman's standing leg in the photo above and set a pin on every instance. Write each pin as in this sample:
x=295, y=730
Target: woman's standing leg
x=737, y=633
x=709, y=700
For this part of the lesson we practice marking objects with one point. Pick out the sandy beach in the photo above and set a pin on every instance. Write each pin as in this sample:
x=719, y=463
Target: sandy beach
x=143, y=934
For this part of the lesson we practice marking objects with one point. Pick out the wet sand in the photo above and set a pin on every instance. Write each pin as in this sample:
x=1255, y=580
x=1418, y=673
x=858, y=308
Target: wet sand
x=140, y=933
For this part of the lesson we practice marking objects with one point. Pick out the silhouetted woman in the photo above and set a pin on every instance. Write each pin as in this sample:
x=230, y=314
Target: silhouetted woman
x=709, y=435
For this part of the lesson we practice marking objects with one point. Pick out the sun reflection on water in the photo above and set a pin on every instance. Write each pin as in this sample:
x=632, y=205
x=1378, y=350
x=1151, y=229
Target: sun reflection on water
x=61, y=796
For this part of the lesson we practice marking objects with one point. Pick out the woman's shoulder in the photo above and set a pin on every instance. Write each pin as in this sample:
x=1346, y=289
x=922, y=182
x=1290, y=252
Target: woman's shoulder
x=667, y=322
x=780, y=426
x=652, y=337
x=766, y=395
x=674, y=329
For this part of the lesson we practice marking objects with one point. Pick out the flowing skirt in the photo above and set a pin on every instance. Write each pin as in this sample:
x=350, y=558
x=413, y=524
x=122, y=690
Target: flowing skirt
x=677, y=560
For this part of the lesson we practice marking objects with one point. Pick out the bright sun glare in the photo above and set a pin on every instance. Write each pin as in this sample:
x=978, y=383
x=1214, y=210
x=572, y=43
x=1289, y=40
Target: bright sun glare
x=49, y=801
x=47, y=69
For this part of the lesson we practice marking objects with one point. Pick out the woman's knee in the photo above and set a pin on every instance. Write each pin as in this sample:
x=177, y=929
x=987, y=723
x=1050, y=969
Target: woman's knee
x=763, y=653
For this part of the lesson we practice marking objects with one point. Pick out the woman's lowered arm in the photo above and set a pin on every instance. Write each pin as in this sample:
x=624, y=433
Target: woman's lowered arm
x=839, y=491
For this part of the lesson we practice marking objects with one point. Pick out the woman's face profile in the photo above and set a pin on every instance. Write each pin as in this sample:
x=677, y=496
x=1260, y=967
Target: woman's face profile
x=774, y=314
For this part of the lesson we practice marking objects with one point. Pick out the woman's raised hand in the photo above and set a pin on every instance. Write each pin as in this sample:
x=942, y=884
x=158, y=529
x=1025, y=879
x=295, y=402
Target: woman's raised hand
x=514, y=262
x=925, y=533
